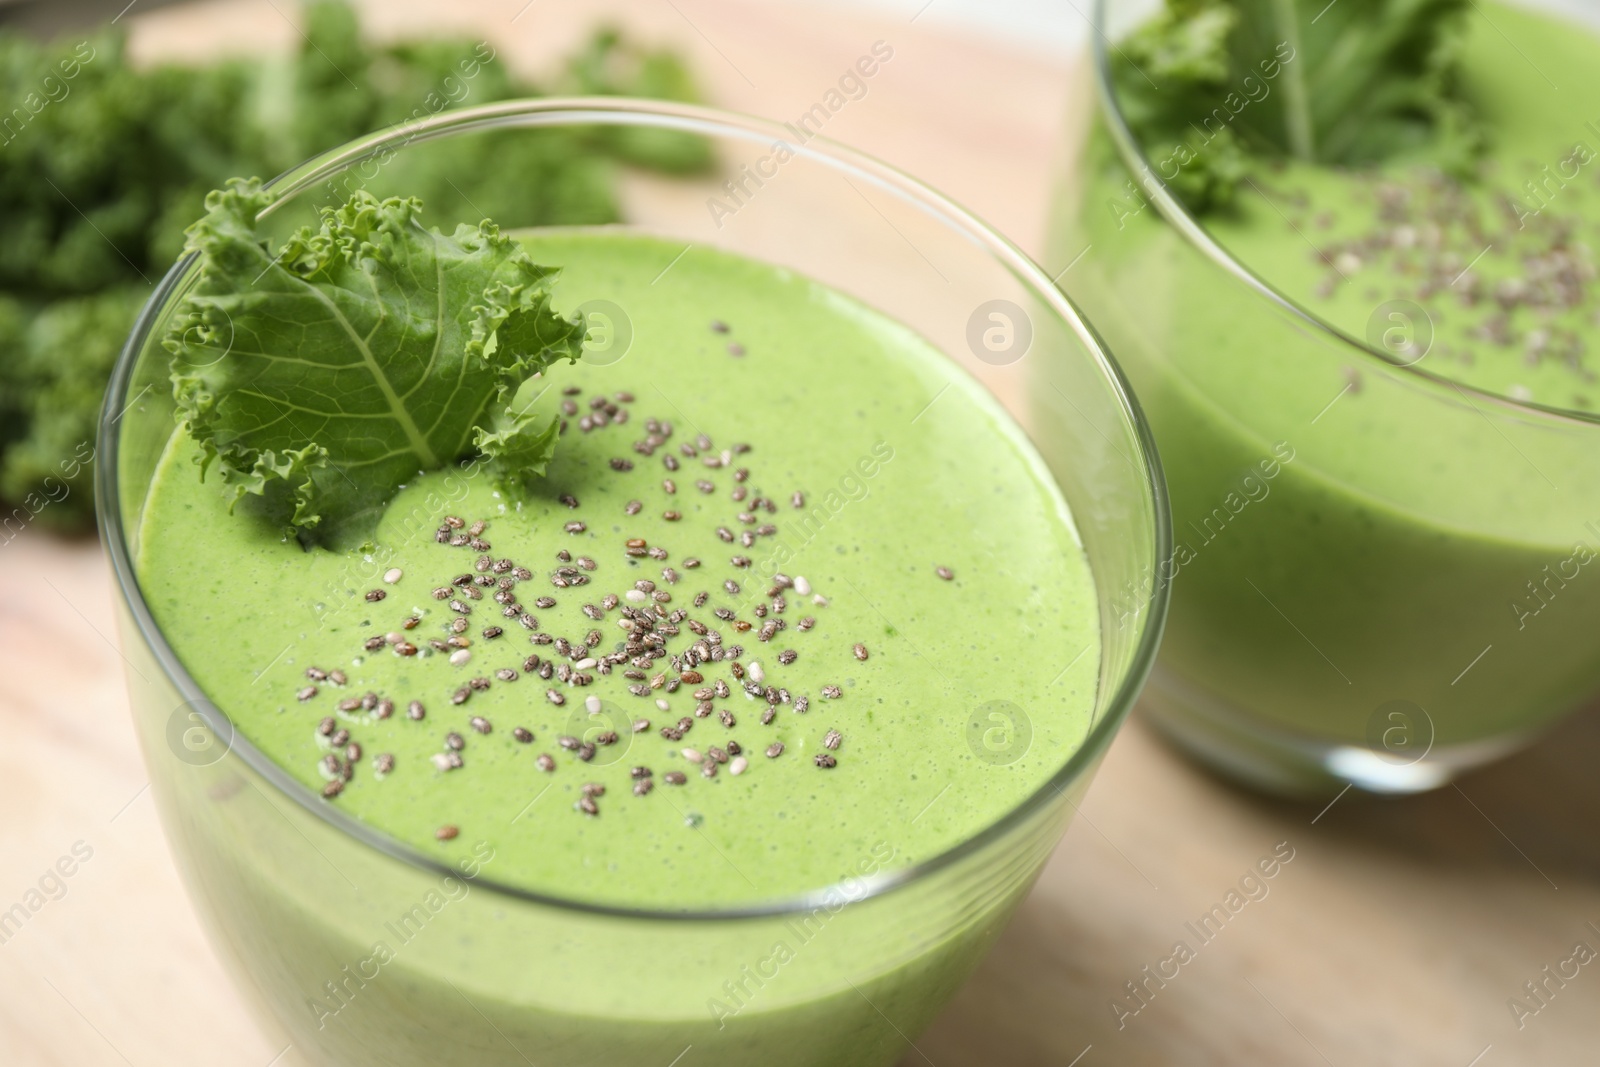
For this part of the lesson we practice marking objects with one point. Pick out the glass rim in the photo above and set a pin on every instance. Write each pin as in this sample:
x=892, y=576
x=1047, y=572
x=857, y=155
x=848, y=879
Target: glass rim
x=562, y=111
x=1193, y=231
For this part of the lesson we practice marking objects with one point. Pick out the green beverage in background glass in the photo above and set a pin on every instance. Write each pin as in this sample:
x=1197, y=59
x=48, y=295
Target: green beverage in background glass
x=723, y=689
x=1351, y=273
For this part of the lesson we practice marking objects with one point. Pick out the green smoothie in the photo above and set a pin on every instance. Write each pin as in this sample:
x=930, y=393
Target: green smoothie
x=726, y=651
x=1502, y=265
x=1353, y=537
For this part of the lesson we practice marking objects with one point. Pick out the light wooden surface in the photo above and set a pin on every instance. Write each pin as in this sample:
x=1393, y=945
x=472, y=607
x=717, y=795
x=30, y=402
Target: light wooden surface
x=1396, y=934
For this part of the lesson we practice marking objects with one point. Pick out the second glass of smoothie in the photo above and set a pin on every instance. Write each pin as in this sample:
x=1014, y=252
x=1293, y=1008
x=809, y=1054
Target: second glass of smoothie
x=1379, y=424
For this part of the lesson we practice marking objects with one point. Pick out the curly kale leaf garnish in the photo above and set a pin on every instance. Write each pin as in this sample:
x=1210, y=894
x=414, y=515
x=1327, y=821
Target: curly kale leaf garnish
x=1207, y=86
x=324, y=375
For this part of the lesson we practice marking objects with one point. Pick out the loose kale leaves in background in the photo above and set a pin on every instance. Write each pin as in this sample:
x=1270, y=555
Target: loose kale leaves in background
x=54, y=362
x=1210, y=84
x=136, y=150
x=606, y=67
x=323, y=375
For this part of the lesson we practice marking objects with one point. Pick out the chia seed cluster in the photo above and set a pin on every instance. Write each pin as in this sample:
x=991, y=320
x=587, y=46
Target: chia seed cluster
x=651, y=639
x=1513, y=281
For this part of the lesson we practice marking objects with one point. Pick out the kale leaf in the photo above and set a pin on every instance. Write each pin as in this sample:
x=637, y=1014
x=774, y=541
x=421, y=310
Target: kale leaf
x=1207, y=86
x=56, y=359
x=324, y=375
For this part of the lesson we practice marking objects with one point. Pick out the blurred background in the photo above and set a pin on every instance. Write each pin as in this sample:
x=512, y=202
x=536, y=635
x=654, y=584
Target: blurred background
x=1400, y=931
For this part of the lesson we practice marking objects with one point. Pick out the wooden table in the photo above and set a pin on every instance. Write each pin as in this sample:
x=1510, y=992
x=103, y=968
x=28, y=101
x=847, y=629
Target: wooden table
x=1397, y=934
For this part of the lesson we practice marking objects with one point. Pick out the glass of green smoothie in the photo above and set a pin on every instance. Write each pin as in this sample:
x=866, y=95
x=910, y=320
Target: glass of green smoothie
x=1345, y=252
x=641, y=643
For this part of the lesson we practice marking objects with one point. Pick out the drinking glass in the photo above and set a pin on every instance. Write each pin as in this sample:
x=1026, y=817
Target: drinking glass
x=1378, y=572
x=362, y=951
